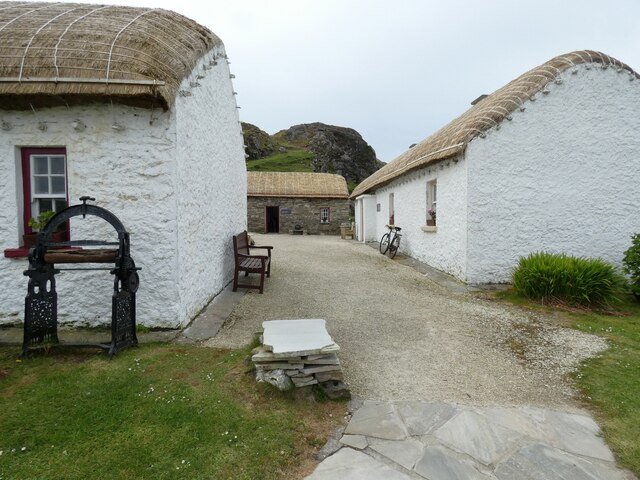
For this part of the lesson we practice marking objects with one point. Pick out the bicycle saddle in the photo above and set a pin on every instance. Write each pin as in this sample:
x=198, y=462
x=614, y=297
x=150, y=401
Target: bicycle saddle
x=398, y=229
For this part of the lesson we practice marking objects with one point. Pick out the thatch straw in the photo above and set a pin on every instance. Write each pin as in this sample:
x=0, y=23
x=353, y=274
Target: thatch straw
x=453, y=139
x=296, y=184
x=57, y=53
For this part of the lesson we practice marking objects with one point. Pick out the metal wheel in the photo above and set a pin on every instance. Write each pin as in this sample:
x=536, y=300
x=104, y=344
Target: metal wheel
x=384, y=243
x=393, y=247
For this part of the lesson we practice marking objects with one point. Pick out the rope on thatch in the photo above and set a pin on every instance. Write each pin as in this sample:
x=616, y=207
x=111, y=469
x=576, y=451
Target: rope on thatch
x=296, y=184
x=76, y=51
x=453, y=138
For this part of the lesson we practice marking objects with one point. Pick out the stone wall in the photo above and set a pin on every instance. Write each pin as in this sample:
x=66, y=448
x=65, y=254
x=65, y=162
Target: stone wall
x=302, y=211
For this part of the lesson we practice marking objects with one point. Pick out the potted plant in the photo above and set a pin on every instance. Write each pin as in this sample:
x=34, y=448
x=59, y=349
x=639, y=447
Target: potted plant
x=431, y=221
x=37, y=224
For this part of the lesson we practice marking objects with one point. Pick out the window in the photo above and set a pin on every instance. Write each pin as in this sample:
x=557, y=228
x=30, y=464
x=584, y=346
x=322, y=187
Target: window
x=432, y=192
x=325, y=215
x=44, y=180
x=377, y=207
x=391, y=210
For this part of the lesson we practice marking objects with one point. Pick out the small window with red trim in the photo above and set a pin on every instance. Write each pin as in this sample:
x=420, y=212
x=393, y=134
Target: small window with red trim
x=44, y=181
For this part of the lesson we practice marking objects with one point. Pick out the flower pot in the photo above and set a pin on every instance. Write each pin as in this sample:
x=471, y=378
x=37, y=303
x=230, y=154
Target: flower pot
x=29, y=240
x=431, y=222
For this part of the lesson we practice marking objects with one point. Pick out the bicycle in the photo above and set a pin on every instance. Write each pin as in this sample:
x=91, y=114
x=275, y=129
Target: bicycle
x=390, y=244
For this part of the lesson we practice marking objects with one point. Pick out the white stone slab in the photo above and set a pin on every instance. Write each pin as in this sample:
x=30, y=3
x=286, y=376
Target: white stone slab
x=297, y=337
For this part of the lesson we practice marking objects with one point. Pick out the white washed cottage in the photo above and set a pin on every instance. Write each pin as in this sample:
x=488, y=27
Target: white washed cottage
x=134, y=107
x=551, y=161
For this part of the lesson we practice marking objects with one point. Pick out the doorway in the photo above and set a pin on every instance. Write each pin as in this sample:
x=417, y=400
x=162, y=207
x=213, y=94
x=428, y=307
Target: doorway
x=272, y=215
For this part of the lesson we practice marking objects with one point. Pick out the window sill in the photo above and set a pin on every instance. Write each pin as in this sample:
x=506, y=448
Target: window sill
x=429, y=228
x=21, y=252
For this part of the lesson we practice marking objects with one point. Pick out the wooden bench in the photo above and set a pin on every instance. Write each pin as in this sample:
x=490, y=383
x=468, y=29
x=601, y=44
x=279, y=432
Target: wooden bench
x=247, y=263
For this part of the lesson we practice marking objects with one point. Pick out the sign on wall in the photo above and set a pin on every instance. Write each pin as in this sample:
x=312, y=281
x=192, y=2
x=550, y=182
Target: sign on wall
x=285, y=211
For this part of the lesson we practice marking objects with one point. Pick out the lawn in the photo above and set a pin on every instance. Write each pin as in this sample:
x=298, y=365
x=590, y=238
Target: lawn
x=157, y=412
x=610, y=383
x=290, y=161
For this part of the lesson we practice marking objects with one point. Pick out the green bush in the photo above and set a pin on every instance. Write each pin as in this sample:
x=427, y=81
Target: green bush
x=631, y=262
x=577, y=281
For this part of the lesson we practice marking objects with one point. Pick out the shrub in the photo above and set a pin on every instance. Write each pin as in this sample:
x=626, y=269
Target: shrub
x=631, y=263
x=577, y=281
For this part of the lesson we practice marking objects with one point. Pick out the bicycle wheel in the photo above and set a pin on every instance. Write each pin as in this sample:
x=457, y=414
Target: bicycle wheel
x=384, y=243
x=393, y=247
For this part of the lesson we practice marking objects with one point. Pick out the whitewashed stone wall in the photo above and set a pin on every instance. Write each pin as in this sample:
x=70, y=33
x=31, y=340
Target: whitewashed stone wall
x=562, y=176
x=212, y=186
x=446, y=248
x=140, y=174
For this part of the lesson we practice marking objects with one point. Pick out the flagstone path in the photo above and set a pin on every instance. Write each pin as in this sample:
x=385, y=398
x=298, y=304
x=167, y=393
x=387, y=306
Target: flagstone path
x=441, y=441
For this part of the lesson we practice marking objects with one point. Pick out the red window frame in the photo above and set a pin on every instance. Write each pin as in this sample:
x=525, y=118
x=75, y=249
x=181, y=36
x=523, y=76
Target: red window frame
x=26, y=181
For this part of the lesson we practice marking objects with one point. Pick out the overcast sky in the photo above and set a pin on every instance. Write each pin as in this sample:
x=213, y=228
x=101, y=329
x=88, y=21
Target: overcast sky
x=396, y=71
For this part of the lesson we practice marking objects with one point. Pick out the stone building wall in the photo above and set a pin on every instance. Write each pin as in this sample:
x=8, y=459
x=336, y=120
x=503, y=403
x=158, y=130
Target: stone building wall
x=302, y=211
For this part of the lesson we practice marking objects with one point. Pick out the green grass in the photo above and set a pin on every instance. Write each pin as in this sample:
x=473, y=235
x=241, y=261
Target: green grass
x=157, y=412
x=574, y=280
x=610, y=383
x=290, y=161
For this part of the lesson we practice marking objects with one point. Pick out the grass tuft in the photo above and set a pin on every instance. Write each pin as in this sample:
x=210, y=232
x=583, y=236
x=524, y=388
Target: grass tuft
x=573, y=280
x=290, y=161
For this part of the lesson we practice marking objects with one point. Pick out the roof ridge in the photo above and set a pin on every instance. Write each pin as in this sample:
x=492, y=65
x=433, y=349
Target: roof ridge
x=454, y=137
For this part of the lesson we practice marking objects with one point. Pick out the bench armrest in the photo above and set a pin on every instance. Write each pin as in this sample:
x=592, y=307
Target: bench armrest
x=260, y=246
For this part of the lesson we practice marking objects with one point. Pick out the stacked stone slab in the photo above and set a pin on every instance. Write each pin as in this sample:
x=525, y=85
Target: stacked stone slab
x=299, y=353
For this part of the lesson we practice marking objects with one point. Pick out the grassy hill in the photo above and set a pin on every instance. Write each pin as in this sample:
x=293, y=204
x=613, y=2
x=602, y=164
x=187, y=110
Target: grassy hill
x=289, y=161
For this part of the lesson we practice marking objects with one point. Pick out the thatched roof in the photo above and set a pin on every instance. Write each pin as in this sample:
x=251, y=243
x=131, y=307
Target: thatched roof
x=57, y=53
x=487, y=113
x=296, y=184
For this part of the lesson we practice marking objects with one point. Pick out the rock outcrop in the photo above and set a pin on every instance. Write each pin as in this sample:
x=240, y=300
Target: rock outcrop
x=338, y=150
x=259, y=143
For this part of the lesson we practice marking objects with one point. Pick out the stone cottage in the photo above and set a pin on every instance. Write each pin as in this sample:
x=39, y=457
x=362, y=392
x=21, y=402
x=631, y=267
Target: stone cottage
x=134, y=107
x=551, y=161
x=295, y=202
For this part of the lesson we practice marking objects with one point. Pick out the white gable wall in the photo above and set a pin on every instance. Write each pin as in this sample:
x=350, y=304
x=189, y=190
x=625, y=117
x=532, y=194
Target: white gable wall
x=446, y=248
x=177, y=181
x=129, y=172
x=212, y=186
x=562, y=176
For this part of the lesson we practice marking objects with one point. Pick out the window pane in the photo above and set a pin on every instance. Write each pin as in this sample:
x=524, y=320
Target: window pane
x=60, y=205
x=39, y=164
x=44, y=204
x=41, y=185
x=57, y=165
x=57, y=184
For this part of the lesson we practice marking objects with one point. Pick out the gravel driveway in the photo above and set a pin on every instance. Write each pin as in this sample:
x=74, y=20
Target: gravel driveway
x=402, y=336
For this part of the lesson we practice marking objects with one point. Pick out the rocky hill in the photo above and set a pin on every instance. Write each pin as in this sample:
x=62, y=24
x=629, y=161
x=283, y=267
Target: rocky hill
x=312, y=147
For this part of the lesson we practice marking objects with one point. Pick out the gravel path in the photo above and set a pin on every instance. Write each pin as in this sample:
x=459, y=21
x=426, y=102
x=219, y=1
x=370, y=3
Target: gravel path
x=404, y=337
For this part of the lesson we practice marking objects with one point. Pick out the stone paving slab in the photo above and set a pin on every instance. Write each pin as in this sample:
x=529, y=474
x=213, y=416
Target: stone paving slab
x=350, y=464
x=307, y=336
x=379, y=420
x=438, y=441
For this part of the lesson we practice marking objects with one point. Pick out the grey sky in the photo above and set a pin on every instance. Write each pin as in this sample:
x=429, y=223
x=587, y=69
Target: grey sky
x=396, y=71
